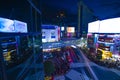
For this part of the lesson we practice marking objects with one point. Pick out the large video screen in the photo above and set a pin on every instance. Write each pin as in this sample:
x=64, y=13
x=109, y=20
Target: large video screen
x=6, y=25
x=110, y=26
x=50, y=33
x=20, y=26
x=93, y=27
x=105, y=26
x=70, y=29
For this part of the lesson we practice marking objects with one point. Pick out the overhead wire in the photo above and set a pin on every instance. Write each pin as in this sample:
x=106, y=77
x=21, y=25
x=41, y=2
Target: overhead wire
x=31, y=3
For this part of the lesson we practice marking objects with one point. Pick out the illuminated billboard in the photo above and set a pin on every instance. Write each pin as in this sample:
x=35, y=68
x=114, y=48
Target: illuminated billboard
x=70, y=29
x=110, y=26
x=53, y=34
x=20, y=26
x=43, y=35
x=93, y=27
x=50, y=33
x=62, y=28
x=105, y=26
x=6, y=25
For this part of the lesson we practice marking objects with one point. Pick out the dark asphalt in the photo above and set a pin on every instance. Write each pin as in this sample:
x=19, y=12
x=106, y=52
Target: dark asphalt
x=105, y=74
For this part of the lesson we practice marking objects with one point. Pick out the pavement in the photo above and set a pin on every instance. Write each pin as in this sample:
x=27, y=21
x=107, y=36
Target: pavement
x=79, y=71
x=75, y=73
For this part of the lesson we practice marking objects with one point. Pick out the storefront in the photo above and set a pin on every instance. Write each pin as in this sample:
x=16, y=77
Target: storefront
x=104, y=35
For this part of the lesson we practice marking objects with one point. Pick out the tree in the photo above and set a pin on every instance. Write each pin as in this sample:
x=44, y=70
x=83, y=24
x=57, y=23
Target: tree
x=49, y=67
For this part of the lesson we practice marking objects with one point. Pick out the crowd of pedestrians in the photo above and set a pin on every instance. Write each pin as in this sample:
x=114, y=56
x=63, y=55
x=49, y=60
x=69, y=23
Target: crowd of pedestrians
x=61, y=60
x=110, y=62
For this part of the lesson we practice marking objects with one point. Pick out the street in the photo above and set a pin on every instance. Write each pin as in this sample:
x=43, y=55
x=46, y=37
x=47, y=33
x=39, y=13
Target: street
x=87, y=70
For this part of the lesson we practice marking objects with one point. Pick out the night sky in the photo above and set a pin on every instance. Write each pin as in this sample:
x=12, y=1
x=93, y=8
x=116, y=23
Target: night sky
x=20, y=9
x=69, y=5
x=14, y=9
x=53, y=8
x=104, y=8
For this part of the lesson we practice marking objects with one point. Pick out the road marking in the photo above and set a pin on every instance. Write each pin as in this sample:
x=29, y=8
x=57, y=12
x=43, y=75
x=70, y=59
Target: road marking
x=84, y=74
x=74, y=75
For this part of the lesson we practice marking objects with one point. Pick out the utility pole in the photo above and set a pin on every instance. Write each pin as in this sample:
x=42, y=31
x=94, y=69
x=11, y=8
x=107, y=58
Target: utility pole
x=79, y=18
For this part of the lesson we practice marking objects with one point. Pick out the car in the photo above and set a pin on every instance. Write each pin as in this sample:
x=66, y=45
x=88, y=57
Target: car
x=104, y=54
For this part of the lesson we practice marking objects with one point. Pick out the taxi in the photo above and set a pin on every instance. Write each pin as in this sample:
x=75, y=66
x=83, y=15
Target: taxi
x=105, y=54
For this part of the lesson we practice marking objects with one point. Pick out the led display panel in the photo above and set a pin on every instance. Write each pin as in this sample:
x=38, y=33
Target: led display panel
x=93, y=27
x=43, y=35
x=50, y=33
x=62, y=28
x=53, y=34
x=110, y=26
x=70, y=29
x=20, y=26
x=6, y=25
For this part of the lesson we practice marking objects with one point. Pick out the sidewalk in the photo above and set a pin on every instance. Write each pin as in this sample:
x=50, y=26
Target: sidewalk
x=75, y=75
x=72, y=74
x=109, y=69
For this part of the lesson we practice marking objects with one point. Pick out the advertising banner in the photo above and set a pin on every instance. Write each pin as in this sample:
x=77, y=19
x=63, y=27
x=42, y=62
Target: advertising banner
x=70, y=29
x=53, y=34
x=105, y=26
x=110, y=26
x=6, y=25
x=50, y=33
x=20, y=26
x=93, y=27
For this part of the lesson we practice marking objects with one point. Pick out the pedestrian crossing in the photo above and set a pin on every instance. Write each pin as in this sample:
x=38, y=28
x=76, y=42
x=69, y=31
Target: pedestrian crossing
x=74, y=74
x=77, y=72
